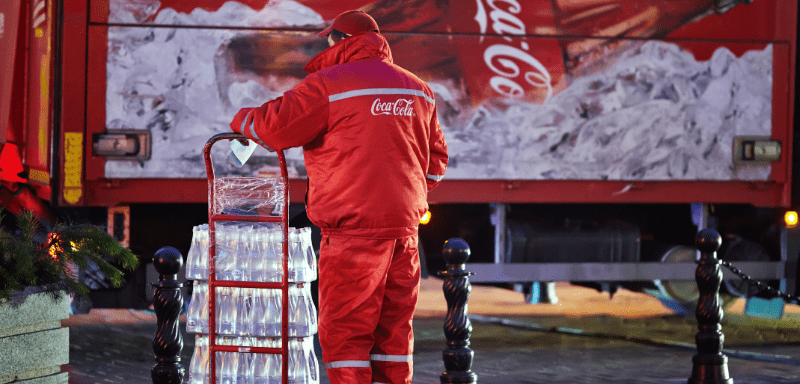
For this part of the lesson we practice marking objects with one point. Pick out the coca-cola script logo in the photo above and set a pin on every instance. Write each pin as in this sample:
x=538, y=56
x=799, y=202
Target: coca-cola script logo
x=401, y=107
x=504, y=59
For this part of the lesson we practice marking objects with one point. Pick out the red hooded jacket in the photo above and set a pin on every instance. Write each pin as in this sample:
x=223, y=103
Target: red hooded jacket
x=370, y=134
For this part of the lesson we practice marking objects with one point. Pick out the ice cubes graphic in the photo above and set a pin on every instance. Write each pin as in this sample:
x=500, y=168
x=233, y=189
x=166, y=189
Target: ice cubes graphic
x=656, y=114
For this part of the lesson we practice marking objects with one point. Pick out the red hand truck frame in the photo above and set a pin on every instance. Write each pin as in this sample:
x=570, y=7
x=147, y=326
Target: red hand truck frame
x=283, y=219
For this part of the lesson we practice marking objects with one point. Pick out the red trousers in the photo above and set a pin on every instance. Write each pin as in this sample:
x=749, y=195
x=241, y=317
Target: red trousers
x=368, y=291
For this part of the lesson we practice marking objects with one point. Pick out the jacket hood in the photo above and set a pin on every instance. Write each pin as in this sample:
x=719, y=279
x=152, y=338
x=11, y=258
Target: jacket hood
x=368, y=45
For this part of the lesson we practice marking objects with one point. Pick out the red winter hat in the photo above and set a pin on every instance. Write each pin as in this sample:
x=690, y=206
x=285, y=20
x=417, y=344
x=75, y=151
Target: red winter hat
x=352, y=22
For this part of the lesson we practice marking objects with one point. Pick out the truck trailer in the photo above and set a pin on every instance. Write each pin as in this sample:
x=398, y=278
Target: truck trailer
x=589, y=140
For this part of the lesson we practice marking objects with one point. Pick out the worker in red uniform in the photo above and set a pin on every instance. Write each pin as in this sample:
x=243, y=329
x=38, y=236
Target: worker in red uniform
x=373, y=149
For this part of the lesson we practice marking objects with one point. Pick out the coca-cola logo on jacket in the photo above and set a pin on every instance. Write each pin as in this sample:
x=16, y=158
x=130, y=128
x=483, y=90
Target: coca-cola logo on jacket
x=514, y=68
x=401, y=107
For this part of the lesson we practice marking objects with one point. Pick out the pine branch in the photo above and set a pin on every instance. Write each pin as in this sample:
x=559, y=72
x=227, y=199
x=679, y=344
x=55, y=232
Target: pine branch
x=26, y=262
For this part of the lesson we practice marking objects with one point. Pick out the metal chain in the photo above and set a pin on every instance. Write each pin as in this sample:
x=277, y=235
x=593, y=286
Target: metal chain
x=772, y=292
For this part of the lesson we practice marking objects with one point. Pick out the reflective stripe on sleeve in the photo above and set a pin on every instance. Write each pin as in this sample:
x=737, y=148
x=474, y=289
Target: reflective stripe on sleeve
x=348, y=364
x=244, y=122
x=393, y=358
x=380, y=91
x=253, y=131
x=436, y=177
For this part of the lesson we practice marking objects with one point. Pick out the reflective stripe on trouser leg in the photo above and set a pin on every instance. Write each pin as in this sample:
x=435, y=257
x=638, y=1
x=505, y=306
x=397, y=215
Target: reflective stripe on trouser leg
x=352, y=274
x=392, y=356
x=348, y=364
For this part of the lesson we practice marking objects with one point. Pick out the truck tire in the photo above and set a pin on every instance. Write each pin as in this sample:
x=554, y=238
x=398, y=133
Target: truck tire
x=733, y=249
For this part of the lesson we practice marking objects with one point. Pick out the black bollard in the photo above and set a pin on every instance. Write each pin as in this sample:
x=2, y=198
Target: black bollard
x=709, y=365
x=457, y=327
x=168, y=301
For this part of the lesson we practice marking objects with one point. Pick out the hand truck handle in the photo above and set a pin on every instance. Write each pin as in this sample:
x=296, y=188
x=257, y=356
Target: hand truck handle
x=234, y=136
x=223, y=136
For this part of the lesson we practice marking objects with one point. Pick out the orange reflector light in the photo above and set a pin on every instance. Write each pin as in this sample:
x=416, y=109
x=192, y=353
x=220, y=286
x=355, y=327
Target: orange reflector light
x=426, y=218
x=790, y=218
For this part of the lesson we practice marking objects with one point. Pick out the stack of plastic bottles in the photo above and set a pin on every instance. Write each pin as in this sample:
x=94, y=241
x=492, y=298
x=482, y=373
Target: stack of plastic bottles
x=251, y=316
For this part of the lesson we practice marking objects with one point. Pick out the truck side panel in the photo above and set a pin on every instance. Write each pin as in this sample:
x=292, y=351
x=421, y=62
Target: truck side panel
x=98, y=47
x=10, y=12
x=40, y=94
x=71, y=139
x=160, y=62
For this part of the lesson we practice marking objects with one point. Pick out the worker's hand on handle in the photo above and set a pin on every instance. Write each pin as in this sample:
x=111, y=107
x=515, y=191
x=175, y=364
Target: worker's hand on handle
x=241, y=122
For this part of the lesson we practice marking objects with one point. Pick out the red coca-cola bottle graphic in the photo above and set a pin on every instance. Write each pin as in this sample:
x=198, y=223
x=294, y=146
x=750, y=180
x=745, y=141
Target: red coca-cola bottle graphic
x=488, y=49
x=606, y=28
x=469, y=45
x=417, y=33
x=525, y=50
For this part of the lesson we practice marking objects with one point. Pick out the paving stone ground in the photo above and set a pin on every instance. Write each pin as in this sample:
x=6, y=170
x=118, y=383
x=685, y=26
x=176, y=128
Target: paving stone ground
x=114, y=346
x=104, y=353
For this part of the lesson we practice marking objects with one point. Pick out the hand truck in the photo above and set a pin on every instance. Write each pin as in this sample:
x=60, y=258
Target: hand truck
x=213, y=283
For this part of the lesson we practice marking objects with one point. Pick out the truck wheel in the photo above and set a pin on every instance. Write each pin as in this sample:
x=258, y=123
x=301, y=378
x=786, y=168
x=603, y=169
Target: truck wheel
x=735, y=248
x=684, y=292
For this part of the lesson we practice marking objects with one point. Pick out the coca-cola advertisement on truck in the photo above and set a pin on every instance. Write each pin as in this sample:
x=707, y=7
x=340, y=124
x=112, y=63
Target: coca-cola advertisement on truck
x=525, y=90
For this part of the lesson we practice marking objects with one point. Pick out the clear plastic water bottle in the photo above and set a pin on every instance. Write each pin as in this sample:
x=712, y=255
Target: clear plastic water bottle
x=220, y=305
x=313, y=363
x=273, y=312
x=307, y=347
x=202, y=323
x=308, y=250
x=297, y=264
x=258, y=319
x=298, y=312
x=267, y=366
x=223, y=255
x=197, y=356
x=252, y=254
x=226, y=315
x=303, y=314
x=302, y=260
x=244, y=368
x=206, y=361
x=219, y=360
x=196, y=374
x=229, y=366
x=298, y=362
x=312, y=312
x=204, y=243
x=193, y=257
x=193, y=313
x=231, y=241
x=256, y=254
x=234, y=245
x=240, y=253
x=293, y=315
x=236, y=309
x=244, y=311
x=274, y=255
x=219, y=357
x=261, y=365
x=219, y=251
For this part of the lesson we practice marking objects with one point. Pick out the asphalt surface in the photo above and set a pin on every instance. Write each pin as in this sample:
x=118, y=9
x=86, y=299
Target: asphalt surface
x=584, y=338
